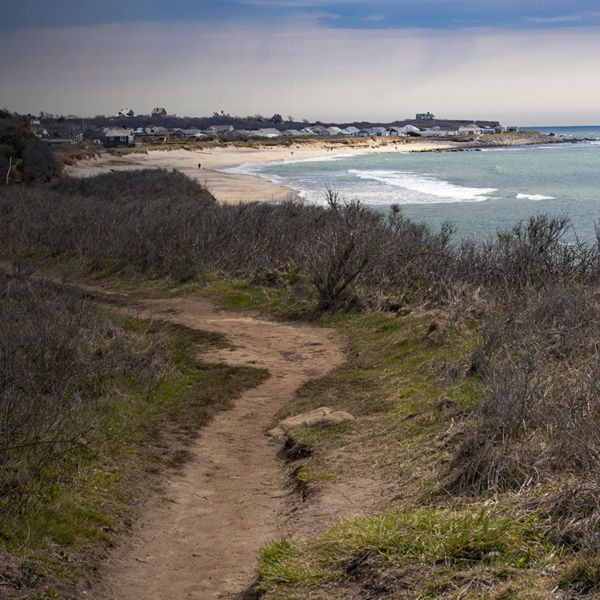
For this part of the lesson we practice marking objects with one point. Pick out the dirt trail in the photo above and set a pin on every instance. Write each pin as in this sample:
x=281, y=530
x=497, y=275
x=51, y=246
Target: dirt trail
x=231, y=496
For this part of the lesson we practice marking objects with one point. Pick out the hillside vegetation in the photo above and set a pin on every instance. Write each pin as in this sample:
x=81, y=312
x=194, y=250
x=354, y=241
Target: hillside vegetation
x=475, y=379
x=29, y=158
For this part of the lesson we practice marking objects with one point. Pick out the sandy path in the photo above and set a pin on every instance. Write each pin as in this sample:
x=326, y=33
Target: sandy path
x=235, y=187
x=232, y=495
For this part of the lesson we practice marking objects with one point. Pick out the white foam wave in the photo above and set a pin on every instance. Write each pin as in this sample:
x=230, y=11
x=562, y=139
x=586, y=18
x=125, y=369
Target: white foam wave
x=256, y=168
x=534, y=197
x=432, y=189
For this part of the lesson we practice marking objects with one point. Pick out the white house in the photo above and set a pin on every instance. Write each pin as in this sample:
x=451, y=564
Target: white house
x=220, y=129
x=351, y=131
x=472, y=129
x=410, y=129
x=269, y=132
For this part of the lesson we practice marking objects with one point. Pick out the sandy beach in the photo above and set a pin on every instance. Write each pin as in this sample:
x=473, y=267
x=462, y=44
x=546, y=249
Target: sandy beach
x=204, y=165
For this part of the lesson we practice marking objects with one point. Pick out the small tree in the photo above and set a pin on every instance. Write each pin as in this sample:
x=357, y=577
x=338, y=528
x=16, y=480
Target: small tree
x=345, y=246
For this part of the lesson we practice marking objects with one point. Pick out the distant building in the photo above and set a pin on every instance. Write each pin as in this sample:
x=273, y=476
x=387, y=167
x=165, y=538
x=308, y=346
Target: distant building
x=378, y=131
x=127, y=112
x=119, y=138
x=220, y=129
x=269, y=132
x=351, y=131
x=396, y=131
x=408, y=129
x=331, y=132
x=425, y=116
x=158, y=131
x=159, y=112
x=472, y=129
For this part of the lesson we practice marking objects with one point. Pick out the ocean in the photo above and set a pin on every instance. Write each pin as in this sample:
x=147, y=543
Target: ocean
x=478, y=191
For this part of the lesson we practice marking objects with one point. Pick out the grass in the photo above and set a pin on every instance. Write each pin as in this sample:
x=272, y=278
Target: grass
x=445, y=543
x=49, y=541
x=410, y=390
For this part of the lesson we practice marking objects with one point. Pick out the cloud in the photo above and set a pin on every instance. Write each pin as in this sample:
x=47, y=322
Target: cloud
x=375, y=18
x=305, y=70
x=563, y=19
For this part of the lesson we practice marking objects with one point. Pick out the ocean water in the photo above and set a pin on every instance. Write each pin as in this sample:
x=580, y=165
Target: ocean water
x=478, y=191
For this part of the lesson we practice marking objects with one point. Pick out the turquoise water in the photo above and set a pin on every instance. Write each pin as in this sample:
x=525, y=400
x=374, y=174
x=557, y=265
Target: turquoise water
x=478, y=191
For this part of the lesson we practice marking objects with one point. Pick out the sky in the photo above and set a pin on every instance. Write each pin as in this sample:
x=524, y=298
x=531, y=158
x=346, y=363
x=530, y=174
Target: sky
x=522, y=62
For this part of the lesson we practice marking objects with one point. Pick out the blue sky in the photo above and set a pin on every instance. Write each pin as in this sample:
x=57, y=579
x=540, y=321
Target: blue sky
x=357, y=14
x=523, y=62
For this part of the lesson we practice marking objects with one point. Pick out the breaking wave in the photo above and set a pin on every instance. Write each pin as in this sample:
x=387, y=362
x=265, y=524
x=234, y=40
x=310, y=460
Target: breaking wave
x=428, y=189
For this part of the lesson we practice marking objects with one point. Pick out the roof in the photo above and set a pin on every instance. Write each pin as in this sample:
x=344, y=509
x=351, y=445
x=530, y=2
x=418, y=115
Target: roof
x=119, y=132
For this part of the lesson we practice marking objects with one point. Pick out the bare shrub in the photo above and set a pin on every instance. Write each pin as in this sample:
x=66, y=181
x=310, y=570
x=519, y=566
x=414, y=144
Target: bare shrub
x=540, y=409
x=344, y=245
x=58, y=359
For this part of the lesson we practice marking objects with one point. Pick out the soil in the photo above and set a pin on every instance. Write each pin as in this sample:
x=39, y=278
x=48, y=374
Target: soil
x=201, y=538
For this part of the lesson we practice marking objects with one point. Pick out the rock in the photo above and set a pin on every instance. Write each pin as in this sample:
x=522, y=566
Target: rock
x=319, y=417
x=306, y=419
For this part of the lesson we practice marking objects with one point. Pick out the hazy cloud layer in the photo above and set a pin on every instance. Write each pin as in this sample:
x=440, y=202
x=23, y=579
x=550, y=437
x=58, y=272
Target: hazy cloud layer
x=307, y=70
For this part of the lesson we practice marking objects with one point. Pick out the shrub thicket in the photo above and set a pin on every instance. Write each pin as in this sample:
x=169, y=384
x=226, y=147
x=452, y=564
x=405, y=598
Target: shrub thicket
x=22, y=150
x=59, y=359
x=532, y=293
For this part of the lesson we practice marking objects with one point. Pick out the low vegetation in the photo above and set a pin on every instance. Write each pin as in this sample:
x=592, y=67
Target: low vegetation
x=23, y=157
x=475, y=378
x=91, y=402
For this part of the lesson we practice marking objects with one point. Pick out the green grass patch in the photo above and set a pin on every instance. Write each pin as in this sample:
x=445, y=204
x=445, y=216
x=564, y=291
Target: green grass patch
x=446, y=541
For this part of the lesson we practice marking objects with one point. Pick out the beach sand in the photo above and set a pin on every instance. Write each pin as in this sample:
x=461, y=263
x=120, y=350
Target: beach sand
x=232, y=187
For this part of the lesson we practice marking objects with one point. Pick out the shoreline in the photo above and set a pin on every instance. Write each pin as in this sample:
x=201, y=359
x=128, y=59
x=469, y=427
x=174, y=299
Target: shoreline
x=207, y=165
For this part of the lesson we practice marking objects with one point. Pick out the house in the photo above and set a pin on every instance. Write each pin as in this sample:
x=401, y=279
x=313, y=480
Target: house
x=289, y=132
x=378, y=131
x=396, y=131
x=158, y=131
x=425, y=116
x=118, y=138
x=126, y=112
x=472, y=129
x=159, y=112
x=193, y=133
x=434, y=132
x=351, y=131
x=220, y=129
x=364, y=133
x=269, y=132
x=410, y=129
x=331, y=132
x=488, y=130
x=308, y=131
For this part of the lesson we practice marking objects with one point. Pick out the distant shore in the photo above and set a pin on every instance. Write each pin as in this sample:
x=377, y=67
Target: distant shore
x=204, y=164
